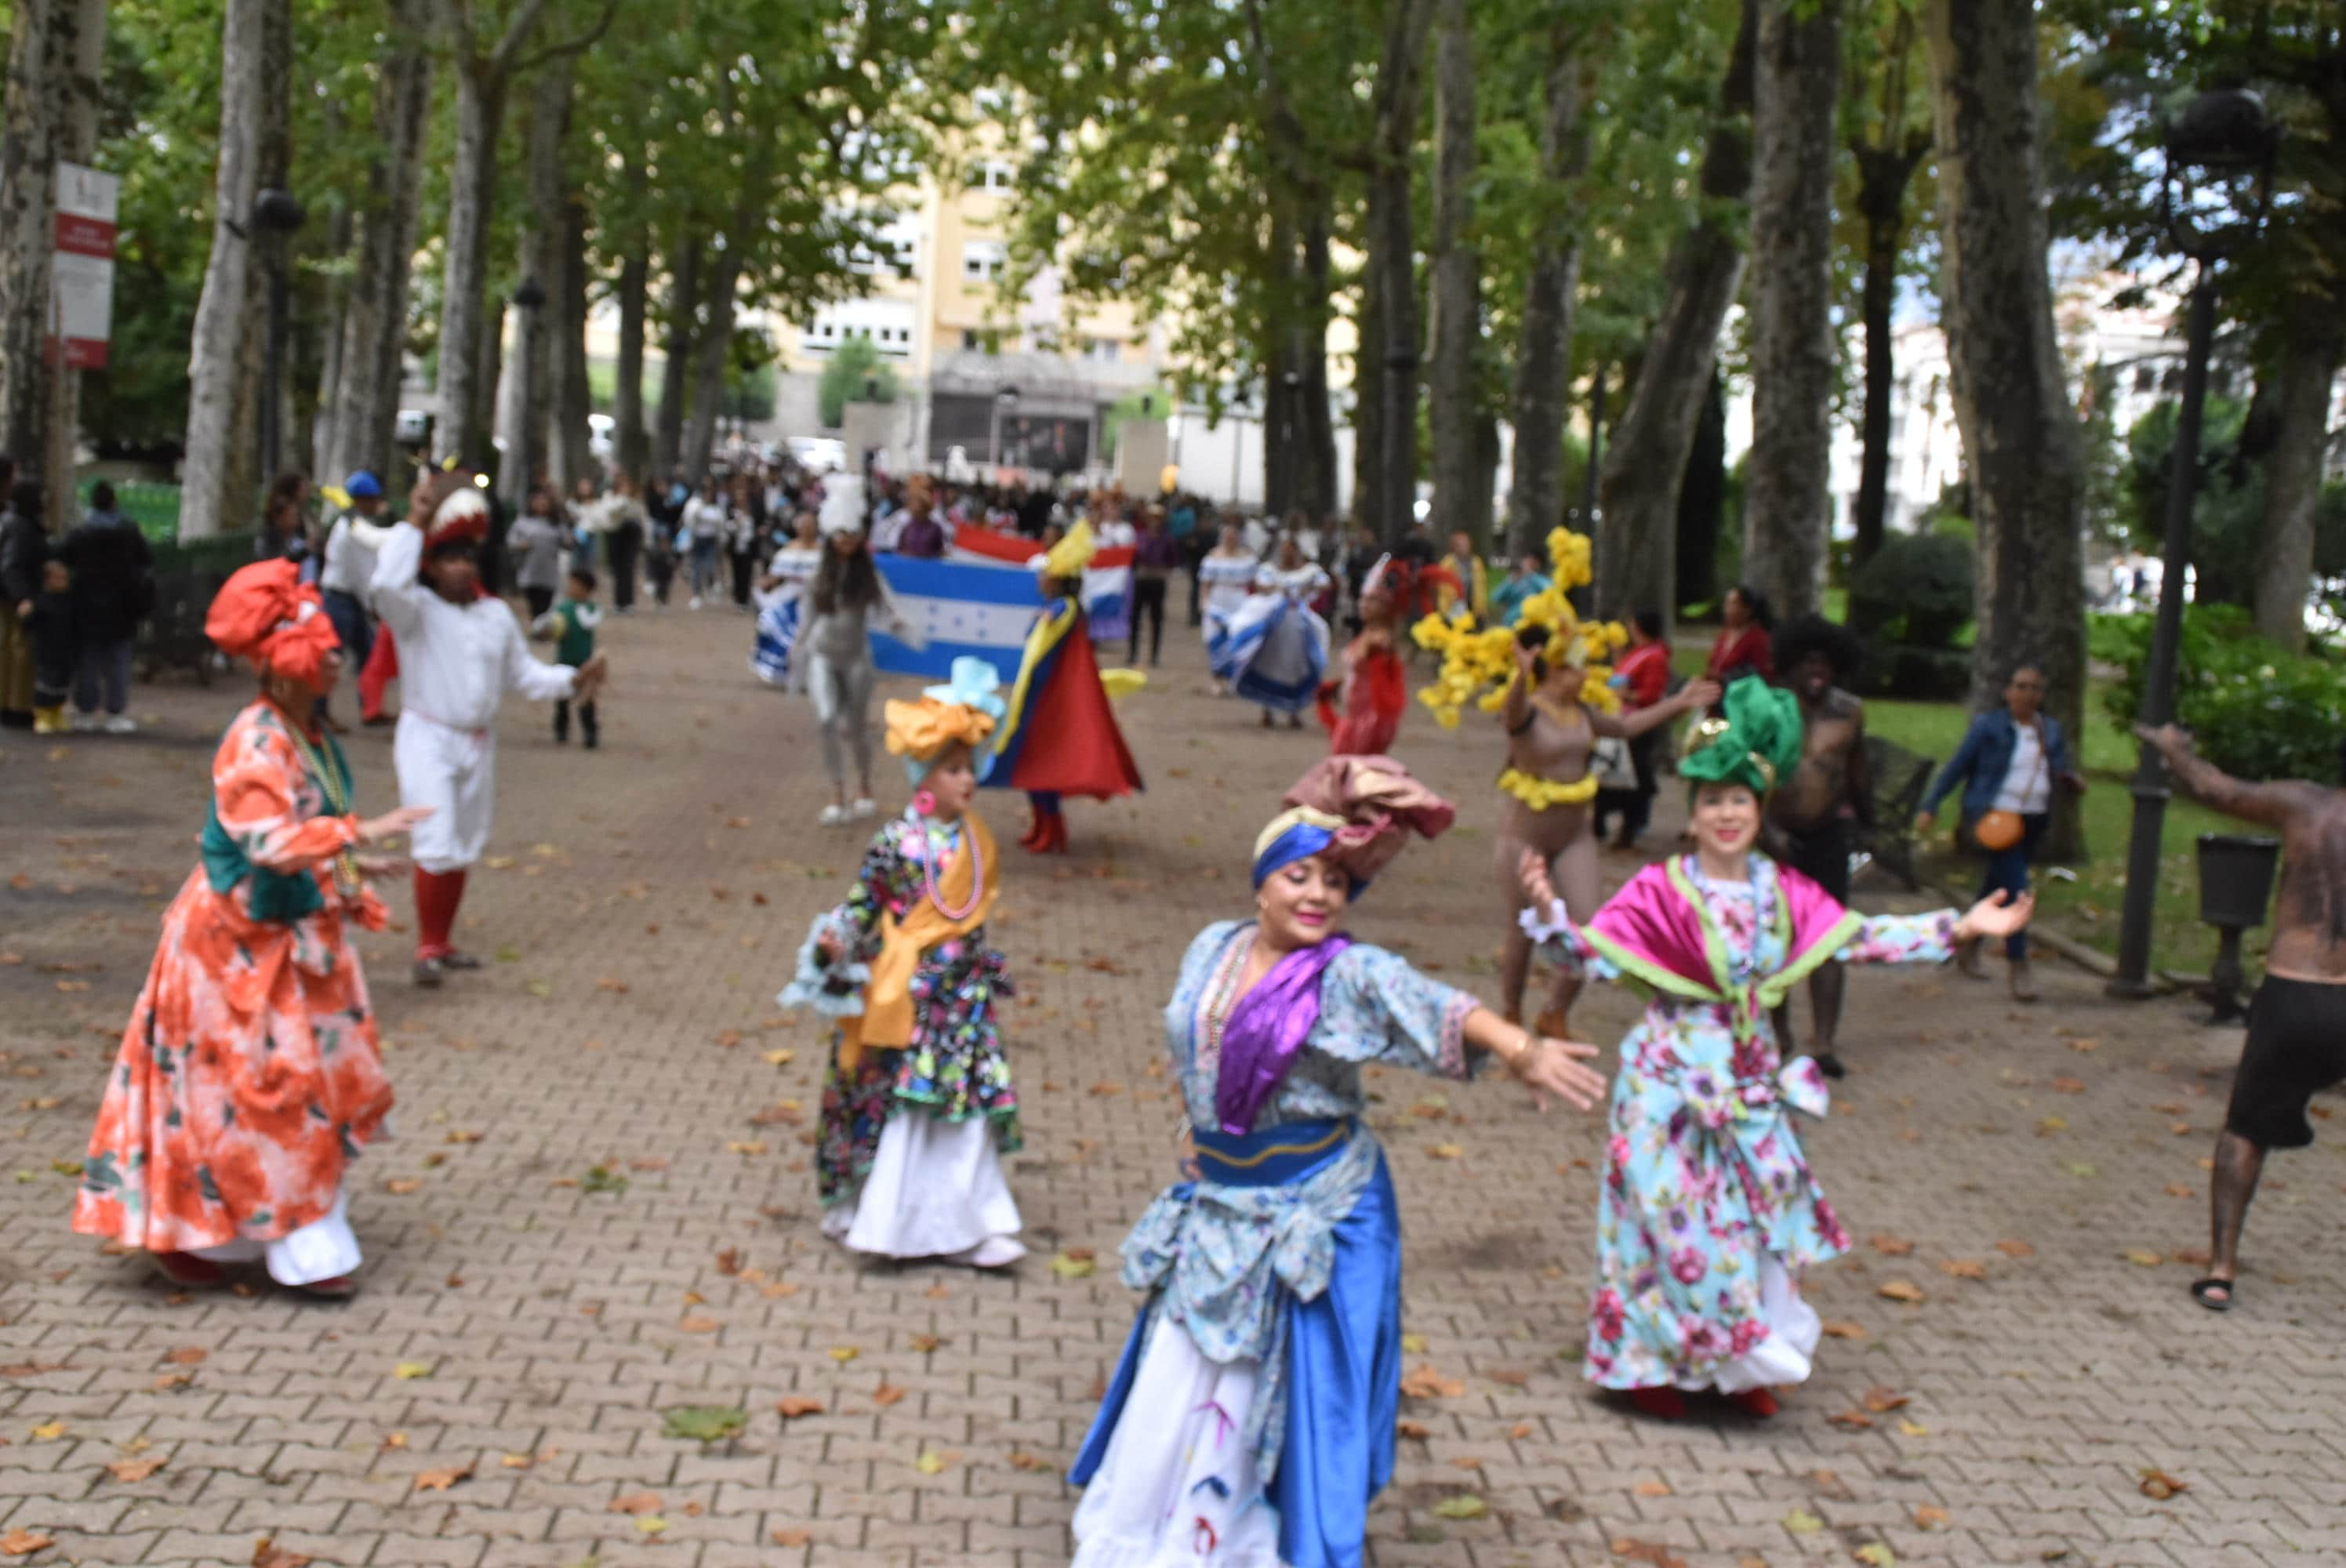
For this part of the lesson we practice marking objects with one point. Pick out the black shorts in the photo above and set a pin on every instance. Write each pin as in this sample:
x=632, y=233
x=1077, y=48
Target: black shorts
x=2296, y=1046
x=1821, y=855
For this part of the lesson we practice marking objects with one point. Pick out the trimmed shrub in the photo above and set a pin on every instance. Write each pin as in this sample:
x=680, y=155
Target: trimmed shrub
x=1916, y=592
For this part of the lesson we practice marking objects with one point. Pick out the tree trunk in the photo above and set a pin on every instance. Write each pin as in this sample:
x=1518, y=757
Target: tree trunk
x=542, y=263
x=1390, y=271
x=374, y=328
x=683, y=307
x=216, y=353
x=633, y=441
x=1315, y=478
x=711, y=353
x=1788, y=499
x=2019, y=431
x=1639, y=485
x=571, y=456
x=1282, y=406
x=1369, y=414
x=1542, y=382
x=1881, y=196
x=1702, y=495
x=332, y=335
x=466, y=405
x=1454, y=319
x=2293, y=475
x=55, y=62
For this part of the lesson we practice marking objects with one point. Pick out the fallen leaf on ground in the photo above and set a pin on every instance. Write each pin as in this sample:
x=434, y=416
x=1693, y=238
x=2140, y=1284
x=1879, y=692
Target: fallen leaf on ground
x=1415, y=1344
x=1901, y=1290
x=2069, y=1085
x=1962, y=1268
x=401, y=1187
x=1844, y=1329
x=635, y=1502
x=1651, y=1552
x=793, y=1406
x=2143, y=1258
x=1465, y=1505
x=1067, y=1265
x=1520, y=1431
x=188, y=1356
x=888, y=1394
x=1854, y=1420
x=791, y=1537
x=408, y=1371
x=1912, y=1429
x=48, y=1432
x=925, y=1343
x=1890, y=1246
x=1444, y=1151
x=24, y=1543
x=1652, y=1489
x=1881, y=1401
x=1410, y=1429
x=1020, y=1460
x=931, y=1462
x=698, y=1325
x=728, y=1262
x=2016, y=1250
x=2159, y=1486
x=267, y=1554
x=779, y=1058
x=1424, y=1382
x=1931, y=1516
x=135, y=1469
x=703, y=1423
x=1800, y=1521
x=2176, y=1189
x=844, y=1354
x=649, y=1525
x=442, y=1480
x=1875, y=1554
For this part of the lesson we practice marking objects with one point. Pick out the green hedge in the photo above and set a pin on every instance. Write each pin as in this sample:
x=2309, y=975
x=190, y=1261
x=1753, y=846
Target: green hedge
x=2256, y=711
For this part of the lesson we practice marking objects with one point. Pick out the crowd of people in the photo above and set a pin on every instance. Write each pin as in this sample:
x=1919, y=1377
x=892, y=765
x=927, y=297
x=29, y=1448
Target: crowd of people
x=70, y=607
x=1251, y=1417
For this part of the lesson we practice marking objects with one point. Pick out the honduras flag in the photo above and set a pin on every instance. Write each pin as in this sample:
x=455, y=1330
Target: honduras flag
x=1107, y=579
x=958, y=609
x=777, y=631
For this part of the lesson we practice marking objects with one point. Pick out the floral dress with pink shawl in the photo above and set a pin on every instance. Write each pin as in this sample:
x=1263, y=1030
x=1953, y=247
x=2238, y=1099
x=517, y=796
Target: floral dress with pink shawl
x=1708, y=1211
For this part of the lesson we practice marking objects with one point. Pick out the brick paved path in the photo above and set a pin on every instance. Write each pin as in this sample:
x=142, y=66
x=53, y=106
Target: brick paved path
x=2035, y=1172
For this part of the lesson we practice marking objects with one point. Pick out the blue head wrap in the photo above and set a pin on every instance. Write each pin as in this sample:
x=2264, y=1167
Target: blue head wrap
x=1296, y=834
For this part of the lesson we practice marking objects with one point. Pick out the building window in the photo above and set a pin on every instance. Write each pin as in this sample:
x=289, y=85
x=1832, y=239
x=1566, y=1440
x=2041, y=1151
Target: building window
x=996, y=177
x=1106, y=350
x=982, y=260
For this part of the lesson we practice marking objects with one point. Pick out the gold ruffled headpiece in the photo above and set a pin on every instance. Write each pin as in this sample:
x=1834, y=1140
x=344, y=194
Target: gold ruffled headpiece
x=965, y=710
x=1474, y=660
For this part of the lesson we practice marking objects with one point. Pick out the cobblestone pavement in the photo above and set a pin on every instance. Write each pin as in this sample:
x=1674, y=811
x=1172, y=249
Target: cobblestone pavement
x=496, y=1394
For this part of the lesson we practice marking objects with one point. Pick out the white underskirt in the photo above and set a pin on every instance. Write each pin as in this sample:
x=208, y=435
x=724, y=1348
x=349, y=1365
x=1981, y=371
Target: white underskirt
x=1785, y=1355
x=325, y=1249
x=936, y=1190
x=1150, y=1504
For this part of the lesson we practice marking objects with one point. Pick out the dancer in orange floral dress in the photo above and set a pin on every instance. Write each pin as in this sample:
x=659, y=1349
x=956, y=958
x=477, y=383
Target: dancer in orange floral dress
x=249, y=1077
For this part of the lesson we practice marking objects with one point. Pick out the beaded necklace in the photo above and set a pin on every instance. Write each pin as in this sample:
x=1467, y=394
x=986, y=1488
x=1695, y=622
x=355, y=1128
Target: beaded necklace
x=929, y=874
x=1221, y=999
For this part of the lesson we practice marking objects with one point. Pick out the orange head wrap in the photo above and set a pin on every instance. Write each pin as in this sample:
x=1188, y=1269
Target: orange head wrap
x=264, y=613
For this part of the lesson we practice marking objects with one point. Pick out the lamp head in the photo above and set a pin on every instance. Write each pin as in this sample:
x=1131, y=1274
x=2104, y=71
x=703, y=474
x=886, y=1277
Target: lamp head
x=529, y=296
x=278, y=212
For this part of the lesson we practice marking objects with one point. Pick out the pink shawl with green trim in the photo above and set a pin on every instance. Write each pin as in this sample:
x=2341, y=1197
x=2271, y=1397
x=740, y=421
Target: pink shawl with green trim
x=1654, y=930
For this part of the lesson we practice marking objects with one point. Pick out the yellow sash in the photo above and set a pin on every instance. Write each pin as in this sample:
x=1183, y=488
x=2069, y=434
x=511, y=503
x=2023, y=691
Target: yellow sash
x=887, y=1020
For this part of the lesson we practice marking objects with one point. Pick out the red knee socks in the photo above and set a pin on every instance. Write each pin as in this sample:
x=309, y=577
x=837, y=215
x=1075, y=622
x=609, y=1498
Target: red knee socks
x=437, y=894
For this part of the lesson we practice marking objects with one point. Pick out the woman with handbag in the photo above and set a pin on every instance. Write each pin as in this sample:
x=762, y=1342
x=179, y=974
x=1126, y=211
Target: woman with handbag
x=2010, y=760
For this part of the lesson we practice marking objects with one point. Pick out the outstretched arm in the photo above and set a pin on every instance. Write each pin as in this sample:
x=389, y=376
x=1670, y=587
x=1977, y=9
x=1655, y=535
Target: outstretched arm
x=1628, y=726
x=2273, y=804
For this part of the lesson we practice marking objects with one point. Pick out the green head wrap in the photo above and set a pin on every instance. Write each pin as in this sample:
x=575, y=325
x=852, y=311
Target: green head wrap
x=1756, y=745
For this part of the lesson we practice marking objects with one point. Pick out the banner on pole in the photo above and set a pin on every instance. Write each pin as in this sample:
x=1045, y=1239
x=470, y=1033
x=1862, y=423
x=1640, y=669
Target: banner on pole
x=81, y=265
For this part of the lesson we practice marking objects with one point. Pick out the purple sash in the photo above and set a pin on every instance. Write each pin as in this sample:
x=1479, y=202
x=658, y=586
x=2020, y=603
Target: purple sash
x=1266, y=1029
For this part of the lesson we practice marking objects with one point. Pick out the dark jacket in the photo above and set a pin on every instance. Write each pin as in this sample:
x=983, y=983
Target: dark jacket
x=112, y=577
x=1984, y=759
x=24, y=546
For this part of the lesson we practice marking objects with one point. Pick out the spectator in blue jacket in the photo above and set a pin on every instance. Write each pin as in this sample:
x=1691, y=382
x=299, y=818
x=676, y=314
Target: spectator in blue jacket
x=2010, y=761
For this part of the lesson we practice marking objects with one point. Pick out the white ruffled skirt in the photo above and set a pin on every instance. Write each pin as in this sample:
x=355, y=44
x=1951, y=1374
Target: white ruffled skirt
x=936, y=1190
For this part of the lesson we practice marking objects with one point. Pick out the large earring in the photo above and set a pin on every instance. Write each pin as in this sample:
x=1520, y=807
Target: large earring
x=924, y=803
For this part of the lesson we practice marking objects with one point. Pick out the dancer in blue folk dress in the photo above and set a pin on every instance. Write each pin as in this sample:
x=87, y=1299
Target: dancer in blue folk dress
x=1708, y=1211
x=1250, y=1420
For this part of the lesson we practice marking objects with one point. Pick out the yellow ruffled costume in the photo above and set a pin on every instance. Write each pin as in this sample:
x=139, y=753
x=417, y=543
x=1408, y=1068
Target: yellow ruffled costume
x=1474, y=659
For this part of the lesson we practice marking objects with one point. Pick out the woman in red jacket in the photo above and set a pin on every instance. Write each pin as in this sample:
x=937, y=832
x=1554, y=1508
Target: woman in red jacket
x=1743, y=647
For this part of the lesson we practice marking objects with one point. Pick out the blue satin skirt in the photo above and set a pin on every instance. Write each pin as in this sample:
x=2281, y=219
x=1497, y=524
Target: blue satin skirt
x=1343, y=1356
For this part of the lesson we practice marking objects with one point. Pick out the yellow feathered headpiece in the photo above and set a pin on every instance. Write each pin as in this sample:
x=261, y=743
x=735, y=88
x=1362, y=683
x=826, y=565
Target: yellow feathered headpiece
x=1070, y=556
x=1472, y=659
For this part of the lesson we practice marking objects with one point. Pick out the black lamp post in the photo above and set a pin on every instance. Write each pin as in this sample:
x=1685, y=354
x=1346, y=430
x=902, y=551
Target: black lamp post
x=2219, y=153
x=276, y=214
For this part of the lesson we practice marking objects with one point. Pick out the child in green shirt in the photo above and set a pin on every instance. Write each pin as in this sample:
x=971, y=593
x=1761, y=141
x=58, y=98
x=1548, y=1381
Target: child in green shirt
x=571, y=622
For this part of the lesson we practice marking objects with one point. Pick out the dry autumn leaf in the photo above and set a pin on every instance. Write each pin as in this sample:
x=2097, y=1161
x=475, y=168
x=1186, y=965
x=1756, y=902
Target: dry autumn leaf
x=2159, y=1486
x=791, y=1537
x=1021, y=1459
x=925, y=1343
x=1410, y=1429
x=1881, y=1401
x=1649, y=1551
x=1851, y=1421
x=931, y=1462
x=1890, y=1246
x=442, y=1480
x=698, y=1325
x=635, y=1502
x=1931, y=1516
x=1424, y=1382
x=188, y=1356
x=1962, y=1268
x=2016, y=1250
x=1651, y=1489
x=1844, y=1329
x=888, y=1394
x=133, y=1470
x=24, y=1542
x=267, y=1554
x=1904, y=1290
x=792, y=1406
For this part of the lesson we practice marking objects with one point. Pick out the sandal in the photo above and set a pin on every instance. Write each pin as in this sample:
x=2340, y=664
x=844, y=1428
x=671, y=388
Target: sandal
x=2203, y=1292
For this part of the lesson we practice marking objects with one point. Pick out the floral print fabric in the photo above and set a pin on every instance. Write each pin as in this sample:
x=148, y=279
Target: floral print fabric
x=1704, y=1168
x=249, y=1077
x=955, y=1066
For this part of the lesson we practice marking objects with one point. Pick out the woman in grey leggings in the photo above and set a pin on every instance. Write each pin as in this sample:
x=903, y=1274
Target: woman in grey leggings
x=847, y=600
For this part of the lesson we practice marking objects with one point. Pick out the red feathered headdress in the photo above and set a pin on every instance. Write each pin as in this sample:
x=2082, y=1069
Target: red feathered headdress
x=264, y=613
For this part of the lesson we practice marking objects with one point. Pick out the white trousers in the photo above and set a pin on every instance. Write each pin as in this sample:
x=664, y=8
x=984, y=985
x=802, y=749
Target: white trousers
x=936, y=1190
x=324, y=1248
x=455, y=772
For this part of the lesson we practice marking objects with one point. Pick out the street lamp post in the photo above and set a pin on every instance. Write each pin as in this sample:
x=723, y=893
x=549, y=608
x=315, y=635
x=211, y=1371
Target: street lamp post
x=520, y=463
x=2219, y=154
x=276, y=214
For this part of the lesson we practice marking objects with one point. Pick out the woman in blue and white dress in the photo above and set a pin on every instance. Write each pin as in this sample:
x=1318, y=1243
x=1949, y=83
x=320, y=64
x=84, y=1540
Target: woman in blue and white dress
x=1226, y=580
x=781, y=601
x=1274, y=652
x=1263, y=1375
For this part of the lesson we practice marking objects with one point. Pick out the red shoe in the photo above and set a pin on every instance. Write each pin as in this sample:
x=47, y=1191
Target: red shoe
x=1034, y=835
x=1757, y=1403
x=341, y=1288
x=185, y=1268
x=1662, y=1404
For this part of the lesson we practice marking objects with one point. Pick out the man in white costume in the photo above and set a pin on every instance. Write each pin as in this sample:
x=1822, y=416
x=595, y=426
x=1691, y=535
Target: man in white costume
x=459, y=651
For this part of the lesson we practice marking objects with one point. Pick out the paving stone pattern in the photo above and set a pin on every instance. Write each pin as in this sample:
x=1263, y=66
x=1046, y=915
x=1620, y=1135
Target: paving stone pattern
x=496, y=1396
